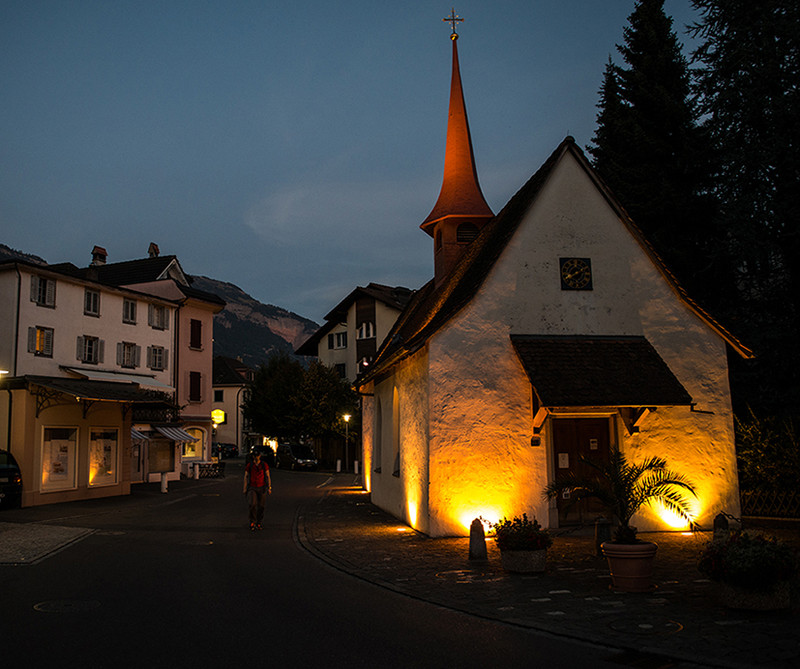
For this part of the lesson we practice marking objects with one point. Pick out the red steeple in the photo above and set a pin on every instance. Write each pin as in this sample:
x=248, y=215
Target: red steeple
x=461, y=210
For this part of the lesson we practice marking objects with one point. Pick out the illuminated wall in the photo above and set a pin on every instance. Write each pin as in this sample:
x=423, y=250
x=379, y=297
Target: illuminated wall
x=465, y=400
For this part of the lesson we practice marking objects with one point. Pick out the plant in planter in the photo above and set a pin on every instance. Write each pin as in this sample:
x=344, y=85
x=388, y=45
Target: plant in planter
x=754, y=571
x=624, y=488
x=523, y=543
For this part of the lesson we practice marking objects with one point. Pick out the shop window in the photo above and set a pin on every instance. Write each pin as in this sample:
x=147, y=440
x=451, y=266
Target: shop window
x=59, y=446
x=103, y=451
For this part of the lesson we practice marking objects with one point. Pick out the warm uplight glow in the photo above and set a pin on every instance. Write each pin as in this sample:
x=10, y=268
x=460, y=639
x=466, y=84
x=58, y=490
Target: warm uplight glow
x=672, y=519
x=488, y=517
x=413, y=509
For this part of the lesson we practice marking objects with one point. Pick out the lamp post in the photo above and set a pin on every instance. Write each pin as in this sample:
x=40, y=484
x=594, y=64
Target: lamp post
x=346, y=438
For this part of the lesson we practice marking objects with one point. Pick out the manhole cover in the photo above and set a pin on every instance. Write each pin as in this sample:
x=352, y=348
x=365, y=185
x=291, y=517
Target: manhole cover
x=67, y=606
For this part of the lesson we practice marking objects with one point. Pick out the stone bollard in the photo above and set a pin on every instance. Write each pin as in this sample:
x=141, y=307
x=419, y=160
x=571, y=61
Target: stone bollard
x=163, y=481
x=721, y=527
x=477, y=541
x=602, y=532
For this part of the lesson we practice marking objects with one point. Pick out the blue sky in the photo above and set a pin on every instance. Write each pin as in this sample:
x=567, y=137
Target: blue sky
x=290, y=148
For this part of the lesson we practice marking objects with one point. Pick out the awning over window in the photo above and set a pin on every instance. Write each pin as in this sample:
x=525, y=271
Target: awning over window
x=103, y=391
x=598, y=371
x=175, y=434
x=138, y=436
x=118, y=377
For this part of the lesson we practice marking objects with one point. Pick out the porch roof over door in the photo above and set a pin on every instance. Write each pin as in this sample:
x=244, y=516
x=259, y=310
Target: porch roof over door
x=608, y=371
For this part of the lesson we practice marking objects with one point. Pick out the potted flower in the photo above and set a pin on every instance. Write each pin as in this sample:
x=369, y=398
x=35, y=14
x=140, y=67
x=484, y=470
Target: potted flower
x=754, y=572
x=624, y=488
x=523, y=544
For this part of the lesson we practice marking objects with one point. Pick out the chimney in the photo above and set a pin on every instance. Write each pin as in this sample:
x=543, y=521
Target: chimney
x=152, y=251
x=99, y=255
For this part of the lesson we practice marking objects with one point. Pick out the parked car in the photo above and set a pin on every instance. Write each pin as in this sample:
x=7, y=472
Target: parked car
x=10, y=481
x=296, y=456
x=224, y=450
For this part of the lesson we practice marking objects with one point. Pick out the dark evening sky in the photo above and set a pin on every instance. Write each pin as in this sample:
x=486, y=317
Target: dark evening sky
x=291, y=148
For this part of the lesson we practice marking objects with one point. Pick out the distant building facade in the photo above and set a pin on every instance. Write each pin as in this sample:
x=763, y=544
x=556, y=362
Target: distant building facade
x=355, y=328
x=99, y=361
x=231, y=379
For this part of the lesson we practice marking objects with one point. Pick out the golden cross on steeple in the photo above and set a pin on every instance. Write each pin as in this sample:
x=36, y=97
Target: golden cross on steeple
x=453, y=19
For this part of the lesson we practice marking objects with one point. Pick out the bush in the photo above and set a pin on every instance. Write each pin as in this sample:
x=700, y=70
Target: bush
x=521, y=534
x=755, y=562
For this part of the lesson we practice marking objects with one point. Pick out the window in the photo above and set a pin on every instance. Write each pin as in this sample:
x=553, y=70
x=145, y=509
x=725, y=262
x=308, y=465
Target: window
x=466, y=232
x=157, y=317
x=43, y=291
x=194, y=449
x=40, y=341
x=102, y=457
x=194, y=387
x=128, y=354
x=341, y=370
x=89, y=350
x=91, y=302
x=338, y=340
x=366, y=331
x=129, y=311
x=157, y=358
x=219, y=395
x=59, y=446
x=195, y=334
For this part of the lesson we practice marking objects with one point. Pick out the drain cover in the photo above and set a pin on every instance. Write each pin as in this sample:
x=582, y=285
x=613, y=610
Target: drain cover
x=67, y=606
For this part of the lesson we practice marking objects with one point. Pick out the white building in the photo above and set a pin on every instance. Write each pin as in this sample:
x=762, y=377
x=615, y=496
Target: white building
x=550, y=332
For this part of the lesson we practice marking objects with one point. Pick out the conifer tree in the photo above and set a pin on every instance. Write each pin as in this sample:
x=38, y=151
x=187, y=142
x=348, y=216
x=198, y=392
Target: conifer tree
x=650, y=150
x=749, y=91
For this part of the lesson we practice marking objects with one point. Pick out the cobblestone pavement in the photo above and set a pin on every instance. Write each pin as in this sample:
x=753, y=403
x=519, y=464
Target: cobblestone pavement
x=679, y=623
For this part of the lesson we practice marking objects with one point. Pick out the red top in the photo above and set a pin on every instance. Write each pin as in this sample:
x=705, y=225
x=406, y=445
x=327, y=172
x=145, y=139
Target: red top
x=257, y=474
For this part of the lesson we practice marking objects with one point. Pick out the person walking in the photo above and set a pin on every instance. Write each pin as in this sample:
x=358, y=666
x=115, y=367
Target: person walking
x=257, y=484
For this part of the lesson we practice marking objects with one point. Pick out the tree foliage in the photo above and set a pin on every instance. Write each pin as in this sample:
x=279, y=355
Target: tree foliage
x=288, y=402
x=747, y=83
x=650, y=149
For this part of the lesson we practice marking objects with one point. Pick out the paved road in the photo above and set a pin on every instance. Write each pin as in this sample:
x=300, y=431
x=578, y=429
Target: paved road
x=178, y=580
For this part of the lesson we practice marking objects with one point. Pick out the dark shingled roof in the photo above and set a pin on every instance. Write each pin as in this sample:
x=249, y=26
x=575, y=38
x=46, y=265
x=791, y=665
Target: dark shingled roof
x=598, y=371
x=229, y=372
x=431, y=307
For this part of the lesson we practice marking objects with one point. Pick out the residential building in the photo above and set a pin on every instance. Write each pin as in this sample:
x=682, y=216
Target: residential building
x=354, y=328
x=550, y=334
x=230, y=382
x=192, y=330
x=83, y=366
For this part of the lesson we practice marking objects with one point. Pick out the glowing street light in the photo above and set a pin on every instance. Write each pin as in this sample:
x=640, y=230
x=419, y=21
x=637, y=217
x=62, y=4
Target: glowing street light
x=346, y=418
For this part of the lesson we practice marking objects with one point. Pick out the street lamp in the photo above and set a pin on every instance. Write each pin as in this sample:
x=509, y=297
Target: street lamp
x=346, y=438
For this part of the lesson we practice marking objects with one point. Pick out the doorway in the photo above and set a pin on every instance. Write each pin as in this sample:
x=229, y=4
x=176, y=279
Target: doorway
x=576, y=440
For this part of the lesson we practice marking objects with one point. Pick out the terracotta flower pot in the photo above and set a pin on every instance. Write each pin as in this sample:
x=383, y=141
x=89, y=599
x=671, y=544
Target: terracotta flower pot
x=524, y=562
x=631, y=565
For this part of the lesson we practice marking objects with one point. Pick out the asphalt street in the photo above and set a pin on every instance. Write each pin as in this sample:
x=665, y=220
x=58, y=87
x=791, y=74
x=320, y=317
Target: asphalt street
x=179, y=580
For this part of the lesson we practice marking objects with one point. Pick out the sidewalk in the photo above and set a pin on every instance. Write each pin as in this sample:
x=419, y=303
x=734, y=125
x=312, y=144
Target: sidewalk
x=680, y=620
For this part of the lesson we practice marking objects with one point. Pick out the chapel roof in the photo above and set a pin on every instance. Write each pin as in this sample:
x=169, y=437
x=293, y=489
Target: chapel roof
x=433, y=306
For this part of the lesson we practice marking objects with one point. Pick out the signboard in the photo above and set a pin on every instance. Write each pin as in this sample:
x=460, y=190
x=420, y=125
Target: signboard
x=161, y=456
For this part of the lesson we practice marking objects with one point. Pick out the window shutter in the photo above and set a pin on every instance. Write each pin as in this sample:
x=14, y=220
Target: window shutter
x=150, y=312
x=50, y=300
x=150, y=357
x=34, y=288
x=31, y=340
x=167, y=314
x=79, y=349
x=164, y=359
x=120, y=353
x=101, y=346
x=48, y=342
x=137, y=355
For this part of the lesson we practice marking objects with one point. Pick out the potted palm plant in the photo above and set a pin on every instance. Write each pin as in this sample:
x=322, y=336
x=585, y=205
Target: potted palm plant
x=623, y=488
x=523, y=544
x=754, y=572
